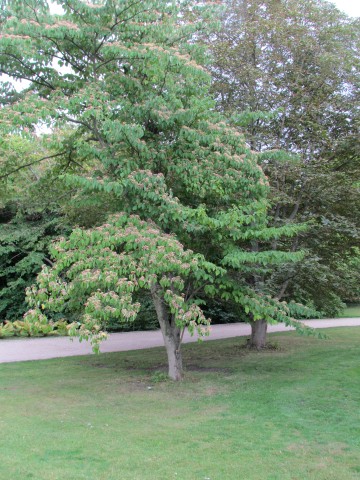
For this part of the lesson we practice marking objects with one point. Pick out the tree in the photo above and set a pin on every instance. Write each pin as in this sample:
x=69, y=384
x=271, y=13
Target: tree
x=293, y=67
x=135, y=101
x=28, y=217
x=295, y=60
x=327, y=276
x=108, y=264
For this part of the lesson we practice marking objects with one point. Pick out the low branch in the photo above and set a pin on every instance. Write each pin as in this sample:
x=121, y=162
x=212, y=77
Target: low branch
x=30, y=79
x=47, y=260
x=298, y=201
x=31, y=163
x=38, y=79
x=284, y=287
x=197, y=290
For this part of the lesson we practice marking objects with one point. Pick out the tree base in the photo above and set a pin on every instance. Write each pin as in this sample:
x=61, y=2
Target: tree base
x=258, y=335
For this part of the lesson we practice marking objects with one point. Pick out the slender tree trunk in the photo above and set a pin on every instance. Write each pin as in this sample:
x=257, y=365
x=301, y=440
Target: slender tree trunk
x=172, y=345
x=258, y=334
x=171, y=334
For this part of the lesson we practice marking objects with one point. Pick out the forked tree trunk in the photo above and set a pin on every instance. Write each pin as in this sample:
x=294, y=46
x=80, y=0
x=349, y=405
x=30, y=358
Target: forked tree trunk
x=258, y=334
x=171, y=334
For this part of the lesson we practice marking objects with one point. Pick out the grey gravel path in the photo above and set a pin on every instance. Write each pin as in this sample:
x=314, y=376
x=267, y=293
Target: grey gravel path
x=23, y=349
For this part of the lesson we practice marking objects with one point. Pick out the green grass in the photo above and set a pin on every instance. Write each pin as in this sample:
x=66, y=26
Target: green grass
x=353, y=311
x=284, y=414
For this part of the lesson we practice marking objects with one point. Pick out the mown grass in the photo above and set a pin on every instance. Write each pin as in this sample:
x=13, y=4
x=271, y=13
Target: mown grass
x=351, y=311
x=283, y=414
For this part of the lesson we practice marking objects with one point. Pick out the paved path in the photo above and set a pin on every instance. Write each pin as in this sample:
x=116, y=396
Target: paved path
x=21, y=349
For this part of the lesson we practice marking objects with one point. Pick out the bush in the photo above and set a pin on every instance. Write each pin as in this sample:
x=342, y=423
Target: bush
x=28, y=327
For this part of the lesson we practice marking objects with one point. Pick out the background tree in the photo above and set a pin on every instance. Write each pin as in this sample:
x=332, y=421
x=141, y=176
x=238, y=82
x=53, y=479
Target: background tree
x=36, y=206
x=29, y=216
x=298, y=61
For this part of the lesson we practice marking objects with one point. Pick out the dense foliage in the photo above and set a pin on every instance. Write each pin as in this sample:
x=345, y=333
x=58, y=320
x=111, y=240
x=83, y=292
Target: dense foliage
x=126, y=97
x=124, y=89
x=30, y=217
x=293, y=67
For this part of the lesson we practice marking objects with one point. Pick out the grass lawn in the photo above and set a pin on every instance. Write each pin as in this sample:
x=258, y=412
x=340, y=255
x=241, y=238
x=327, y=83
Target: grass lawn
x=353, y=311
x=284, y=414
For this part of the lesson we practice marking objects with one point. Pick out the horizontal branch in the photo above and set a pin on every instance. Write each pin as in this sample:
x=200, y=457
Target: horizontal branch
x=31, y=163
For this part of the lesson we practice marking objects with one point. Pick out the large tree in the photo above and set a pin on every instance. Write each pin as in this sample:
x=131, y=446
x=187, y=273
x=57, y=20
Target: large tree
x=293, y=67
x=125, y=80
x=296, y=59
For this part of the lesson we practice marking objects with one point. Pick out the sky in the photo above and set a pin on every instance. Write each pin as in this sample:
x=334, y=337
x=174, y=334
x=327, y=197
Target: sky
x=351, y=7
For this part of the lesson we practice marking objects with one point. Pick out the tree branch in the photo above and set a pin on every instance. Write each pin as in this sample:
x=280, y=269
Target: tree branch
x=41, y=81
x=31, y=163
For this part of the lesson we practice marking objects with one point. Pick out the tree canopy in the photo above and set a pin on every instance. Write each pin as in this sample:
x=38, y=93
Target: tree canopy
x=123, y=87
x=293, y=67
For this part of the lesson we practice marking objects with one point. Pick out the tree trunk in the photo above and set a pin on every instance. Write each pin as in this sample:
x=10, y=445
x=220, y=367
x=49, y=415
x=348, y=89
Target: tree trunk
x=171, y=334
x=258, y=334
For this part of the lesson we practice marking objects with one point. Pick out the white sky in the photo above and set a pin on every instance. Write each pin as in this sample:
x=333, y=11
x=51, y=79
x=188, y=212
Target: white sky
x=55, y=8
x=351, y=7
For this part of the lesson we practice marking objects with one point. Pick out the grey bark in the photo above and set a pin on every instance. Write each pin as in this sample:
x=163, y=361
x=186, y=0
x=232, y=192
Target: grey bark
x=171, y=334
x=258, y=334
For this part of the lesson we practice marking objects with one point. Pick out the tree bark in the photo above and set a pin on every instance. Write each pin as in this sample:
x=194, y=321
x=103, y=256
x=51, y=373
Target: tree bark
x=171, y=334
x=258, y=334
